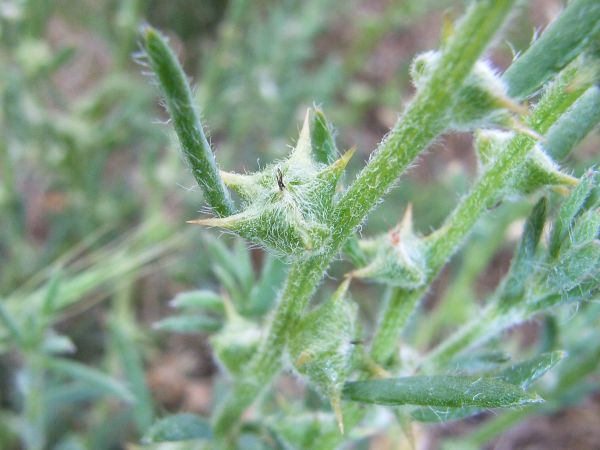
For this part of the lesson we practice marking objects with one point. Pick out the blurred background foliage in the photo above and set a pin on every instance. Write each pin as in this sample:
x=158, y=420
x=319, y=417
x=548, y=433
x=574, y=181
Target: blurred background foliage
x=93, y=200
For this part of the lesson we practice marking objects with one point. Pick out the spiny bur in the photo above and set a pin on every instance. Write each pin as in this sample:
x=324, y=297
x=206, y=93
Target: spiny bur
x=396, y=258
x=537, y=172
x=288, y=206
x=482, y=102
x=321, y=346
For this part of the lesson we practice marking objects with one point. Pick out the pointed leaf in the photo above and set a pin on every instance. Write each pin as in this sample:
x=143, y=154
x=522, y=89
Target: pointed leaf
x=521, y=374
x=303, y=151
x=52, y=292
x=85, y=374
x=526, y=372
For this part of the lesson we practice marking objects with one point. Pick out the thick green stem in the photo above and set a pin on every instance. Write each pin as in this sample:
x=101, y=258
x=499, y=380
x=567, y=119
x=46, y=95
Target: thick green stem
x=574, y=125
x=395, y=313
x=423, y=121
x=186, y=121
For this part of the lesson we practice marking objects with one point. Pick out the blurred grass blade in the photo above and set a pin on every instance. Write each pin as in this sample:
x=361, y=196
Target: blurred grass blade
x=186, y=121
x=9, y=323
x=200, y=299
x=53, y=289
x=99, y=380
x=188, y=324
x=57, y=344
x=264, y=292
x=179, y=427
x=439, y=390
x=130, y=360
x=243, y=263
x=564, y=39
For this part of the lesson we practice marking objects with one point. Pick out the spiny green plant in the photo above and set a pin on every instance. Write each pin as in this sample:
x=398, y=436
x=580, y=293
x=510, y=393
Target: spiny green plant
x=296, y=211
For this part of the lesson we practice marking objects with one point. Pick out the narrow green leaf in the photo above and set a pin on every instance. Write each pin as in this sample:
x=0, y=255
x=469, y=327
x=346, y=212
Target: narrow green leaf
x=559, y=44
x=84, y=374
x=200, y=299
x=574, y=125
x=188, y=324
x=521, y=374
x=130, y=359
x=186, y=121
x=179, y=427
x=52, y=292
x=524, y=260
x=243, y=263
x=439, y=390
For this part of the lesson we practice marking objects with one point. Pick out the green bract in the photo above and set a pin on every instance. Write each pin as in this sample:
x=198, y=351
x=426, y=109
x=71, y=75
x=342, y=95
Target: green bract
x=321, y=346
x=483, y=100
x=396, y=258
x=288, y=206
x=538, y=171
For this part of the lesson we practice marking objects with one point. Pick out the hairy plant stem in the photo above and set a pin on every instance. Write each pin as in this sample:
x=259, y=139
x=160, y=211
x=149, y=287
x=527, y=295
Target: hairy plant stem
x=548, y=114
x=425, y=118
